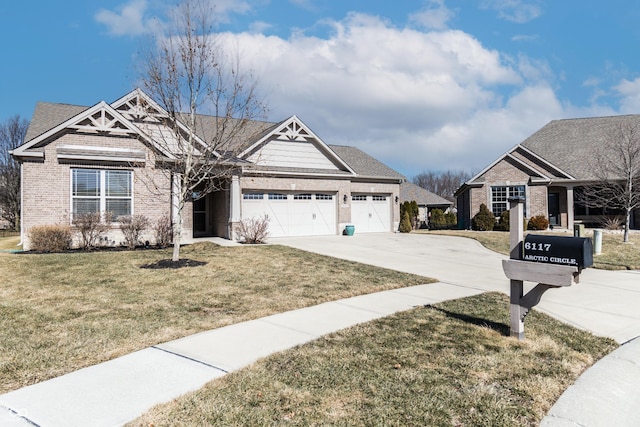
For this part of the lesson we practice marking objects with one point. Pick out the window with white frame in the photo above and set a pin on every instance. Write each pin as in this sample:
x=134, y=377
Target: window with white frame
x=99, y=190
x=500, y=196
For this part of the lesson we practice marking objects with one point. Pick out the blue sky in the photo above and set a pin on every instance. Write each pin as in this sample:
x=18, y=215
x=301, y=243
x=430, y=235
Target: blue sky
x=421, y=85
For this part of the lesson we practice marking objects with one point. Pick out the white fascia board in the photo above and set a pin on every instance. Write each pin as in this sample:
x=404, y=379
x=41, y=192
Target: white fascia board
x=528, y=166
x=20, y=151
x=483, y=171
x=325, y=146
x=551, y=165
x=294, y=118
x=139, y=92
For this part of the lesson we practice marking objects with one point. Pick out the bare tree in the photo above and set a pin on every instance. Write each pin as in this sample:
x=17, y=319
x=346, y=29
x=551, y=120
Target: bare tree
x=190, y=74
x=12, y=133
x=617, y=172
x=443, y=183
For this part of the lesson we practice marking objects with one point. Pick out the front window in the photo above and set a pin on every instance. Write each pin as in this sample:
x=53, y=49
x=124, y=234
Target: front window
x=101, y=191
x=500, y=196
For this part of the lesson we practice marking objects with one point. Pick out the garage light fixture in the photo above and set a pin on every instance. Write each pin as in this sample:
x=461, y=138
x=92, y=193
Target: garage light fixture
x=396, y=200
x=344, y=199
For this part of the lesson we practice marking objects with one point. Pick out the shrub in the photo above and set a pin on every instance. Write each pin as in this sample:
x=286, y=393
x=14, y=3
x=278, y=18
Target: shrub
x=539, y=222
x=611, y=223
x=450, y=218
x=50, y=238
x=405, y=224
x=132, y=228
x=254, y=230
x=163, y=230
x=413, y=210
x=503, y=222
x=91, y=228
x=483, y=220
x=437, y=219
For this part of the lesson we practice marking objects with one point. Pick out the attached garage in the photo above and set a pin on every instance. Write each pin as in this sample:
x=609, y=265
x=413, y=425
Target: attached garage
x=293, y=214
x=371, y=212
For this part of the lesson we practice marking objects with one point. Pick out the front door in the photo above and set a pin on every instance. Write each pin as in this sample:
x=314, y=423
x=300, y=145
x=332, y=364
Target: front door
x=554, y=208
x=200, y=217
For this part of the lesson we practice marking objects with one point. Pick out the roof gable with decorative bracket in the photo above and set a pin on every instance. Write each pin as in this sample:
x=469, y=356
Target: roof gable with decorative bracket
x=292, y=144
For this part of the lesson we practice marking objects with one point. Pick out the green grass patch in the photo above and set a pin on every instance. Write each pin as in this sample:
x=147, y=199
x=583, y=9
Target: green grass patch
x=443, y=365
x=62, y=312
x=616, y=255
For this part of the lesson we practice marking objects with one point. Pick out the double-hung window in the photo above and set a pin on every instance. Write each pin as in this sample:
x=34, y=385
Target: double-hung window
x=101, y=191
x=500, y=196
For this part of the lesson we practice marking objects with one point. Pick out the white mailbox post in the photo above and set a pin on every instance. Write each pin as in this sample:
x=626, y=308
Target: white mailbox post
x=550, y=261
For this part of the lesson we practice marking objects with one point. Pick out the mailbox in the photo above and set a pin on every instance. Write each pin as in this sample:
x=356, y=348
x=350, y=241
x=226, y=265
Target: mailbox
x=572, y=251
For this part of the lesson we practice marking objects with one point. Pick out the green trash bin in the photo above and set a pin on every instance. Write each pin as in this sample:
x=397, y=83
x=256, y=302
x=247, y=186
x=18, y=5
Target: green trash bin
x=349, y=230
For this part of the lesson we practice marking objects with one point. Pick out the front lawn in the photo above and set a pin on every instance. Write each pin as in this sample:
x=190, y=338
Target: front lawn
x=615, y=255
x=451, y=364
x=62, y=312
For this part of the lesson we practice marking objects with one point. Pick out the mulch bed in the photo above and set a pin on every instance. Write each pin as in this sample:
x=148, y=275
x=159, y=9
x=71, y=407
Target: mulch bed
x=169, y=263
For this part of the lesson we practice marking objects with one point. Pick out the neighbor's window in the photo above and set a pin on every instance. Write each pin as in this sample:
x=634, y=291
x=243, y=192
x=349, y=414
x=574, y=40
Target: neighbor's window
x=500, y=197
x=94, y=190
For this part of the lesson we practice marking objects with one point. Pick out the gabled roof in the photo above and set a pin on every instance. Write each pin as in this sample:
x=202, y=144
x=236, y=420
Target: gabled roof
x=127, y=115
x=99, y=118
x=364, y=165
x=570, y=144
x=293, y=130
x=409, y=191
x=48, y=115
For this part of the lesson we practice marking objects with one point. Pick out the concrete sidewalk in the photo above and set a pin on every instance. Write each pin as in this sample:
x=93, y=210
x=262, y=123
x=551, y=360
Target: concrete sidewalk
x=118, y=391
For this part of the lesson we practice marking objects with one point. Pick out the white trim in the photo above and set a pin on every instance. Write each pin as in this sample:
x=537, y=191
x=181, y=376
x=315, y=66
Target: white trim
x=315, y=140
x=102, y=197
x=70, y=123
x=545, y=162
x=544, y=177
x=163, y=114
x=122, y=155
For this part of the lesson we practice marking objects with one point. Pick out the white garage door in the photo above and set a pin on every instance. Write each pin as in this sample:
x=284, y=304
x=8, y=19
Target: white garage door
x=371, y=213
x=293, y=214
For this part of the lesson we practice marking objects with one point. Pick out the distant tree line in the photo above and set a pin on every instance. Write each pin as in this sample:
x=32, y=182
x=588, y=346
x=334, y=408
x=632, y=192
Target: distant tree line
x=12, y=133
x=442, y=183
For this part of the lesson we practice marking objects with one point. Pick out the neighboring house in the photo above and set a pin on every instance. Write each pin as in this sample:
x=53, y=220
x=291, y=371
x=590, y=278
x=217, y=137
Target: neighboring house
x=96, y=159
x=427, y=201
x=548, y=170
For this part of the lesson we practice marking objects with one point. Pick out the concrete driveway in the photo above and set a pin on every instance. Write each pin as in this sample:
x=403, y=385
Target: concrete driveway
x=604, y=302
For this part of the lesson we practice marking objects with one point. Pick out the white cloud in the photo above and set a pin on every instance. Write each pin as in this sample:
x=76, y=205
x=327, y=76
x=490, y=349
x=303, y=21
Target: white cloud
x=259, y=26
x=135, y=17
x=435, y=16
x=413, y=99
x=128, y=20
x=519, y=11
x=629, y=91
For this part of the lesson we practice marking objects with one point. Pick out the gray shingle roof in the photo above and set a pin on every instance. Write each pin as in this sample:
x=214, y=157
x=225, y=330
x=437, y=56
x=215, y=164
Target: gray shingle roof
x=571, y=144
x=409, y=192
x=363, y=164
x=47, y=115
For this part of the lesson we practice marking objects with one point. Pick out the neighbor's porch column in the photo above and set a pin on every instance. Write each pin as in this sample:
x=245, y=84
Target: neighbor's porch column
x=570, y=207
x=235, y=199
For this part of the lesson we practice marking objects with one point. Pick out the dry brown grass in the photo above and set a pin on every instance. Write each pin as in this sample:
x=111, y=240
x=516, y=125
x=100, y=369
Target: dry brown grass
x=615, y=255
x=10, y=242
x=62, y=312
x=443, y=365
